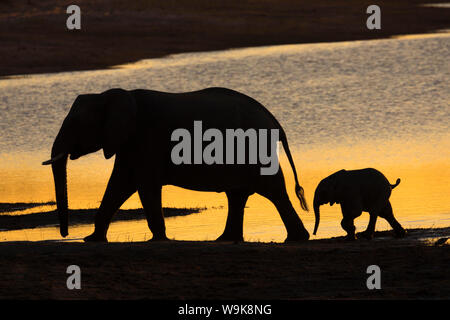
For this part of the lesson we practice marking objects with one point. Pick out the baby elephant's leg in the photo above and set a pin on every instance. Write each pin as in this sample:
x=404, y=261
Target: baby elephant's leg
x=349, y=213
x=368, y=233
x=348, y=225
x=387, y=214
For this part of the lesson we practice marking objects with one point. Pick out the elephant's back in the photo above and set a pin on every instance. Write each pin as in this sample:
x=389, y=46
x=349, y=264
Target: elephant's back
x=374, y=185
x=227, y=101
x=369, y=176
x=216, y=107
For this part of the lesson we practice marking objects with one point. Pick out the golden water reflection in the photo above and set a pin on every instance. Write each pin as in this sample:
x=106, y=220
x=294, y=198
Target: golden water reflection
x=421, y=200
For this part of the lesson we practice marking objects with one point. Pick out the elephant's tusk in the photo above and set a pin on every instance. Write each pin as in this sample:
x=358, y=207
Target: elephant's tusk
x=54, y=159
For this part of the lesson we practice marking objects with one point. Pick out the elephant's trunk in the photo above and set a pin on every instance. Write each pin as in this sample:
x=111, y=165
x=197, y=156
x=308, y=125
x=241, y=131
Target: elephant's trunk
x=317, y=214
x=60, y=178
x=59, y=163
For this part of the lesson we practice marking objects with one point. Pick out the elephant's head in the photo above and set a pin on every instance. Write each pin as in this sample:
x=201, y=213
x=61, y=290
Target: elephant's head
x=95, y=121
x=328, y=191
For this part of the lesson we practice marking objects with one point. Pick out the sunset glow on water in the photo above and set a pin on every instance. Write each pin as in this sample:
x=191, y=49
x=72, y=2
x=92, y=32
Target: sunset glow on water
x=342, y=106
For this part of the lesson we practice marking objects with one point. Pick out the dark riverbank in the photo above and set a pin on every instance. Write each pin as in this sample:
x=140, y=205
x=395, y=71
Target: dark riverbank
x=411, y=268
x=34, y=37
x=79, y=216
x=20, y=206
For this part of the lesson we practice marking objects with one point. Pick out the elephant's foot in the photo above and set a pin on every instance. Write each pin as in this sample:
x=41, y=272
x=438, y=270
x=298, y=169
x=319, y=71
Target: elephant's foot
x=297, y=237
x=400, y=233
x=225, y=237
x=350, y=237
x=366, y=235
x=95, y=237
x=159, y=238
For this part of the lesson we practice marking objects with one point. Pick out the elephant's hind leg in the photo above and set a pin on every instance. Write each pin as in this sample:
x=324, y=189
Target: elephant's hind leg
x=387, y=214
x=368, y=233
x=235, y=221
x=274, y=189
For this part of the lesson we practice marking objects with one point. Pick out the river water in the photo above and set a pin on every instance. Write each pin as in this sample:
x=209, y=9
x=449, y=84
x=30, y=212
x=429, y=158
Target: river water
x=379, y=103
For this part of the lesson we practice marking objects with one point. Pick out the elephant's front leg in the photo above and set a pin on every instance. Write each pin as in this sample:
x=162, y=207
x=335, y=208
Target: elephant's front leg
x=150, y=196
x=120, y=187
x=350, y=211
x=349, y=227
x=235, y=220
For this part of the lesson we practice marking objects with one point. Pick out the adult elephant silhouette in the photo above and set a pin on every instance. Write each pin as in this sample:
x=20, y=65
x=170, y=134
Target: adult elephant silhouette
x=136, y=127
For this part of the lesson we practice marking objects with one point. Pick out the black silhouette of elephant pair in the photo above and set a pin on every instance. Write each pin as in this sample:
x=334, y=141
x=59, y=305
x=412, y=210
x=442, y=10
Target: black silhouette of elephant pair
x=136, y=126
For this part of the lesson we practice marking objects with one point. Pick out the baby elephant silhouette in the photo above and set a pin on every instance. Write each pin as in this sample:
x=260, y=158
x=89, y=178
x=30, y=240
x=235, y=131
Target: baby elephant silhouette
x=357, y=191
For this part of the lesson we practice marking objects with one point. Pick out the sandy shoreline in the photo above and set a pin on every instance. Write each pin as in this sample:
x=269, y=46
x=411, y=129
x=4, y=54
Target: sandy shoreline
x=411, y=268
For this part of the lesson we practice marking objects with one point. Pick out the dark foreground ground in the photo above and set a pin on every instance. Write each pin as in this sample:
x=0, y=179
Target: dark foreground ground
x=320, y=269
x=34, y=37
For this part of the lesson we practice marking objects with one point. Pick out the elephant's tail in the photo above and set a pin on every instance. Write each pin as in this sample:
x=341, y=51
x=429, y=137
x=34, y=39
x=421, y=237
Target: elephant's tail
x=396, y=183
x=298, y=188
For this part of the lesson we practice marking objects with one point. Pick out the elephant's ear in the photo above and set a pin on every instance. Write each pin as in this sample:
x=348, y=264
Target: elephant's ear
x=120, y=120
x=336, y=187
x=332, y=196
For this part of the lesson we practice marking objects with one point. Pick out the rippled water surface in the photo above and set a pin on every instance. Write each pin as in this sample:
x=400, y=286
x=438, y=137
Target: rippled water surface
x=382, y=104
